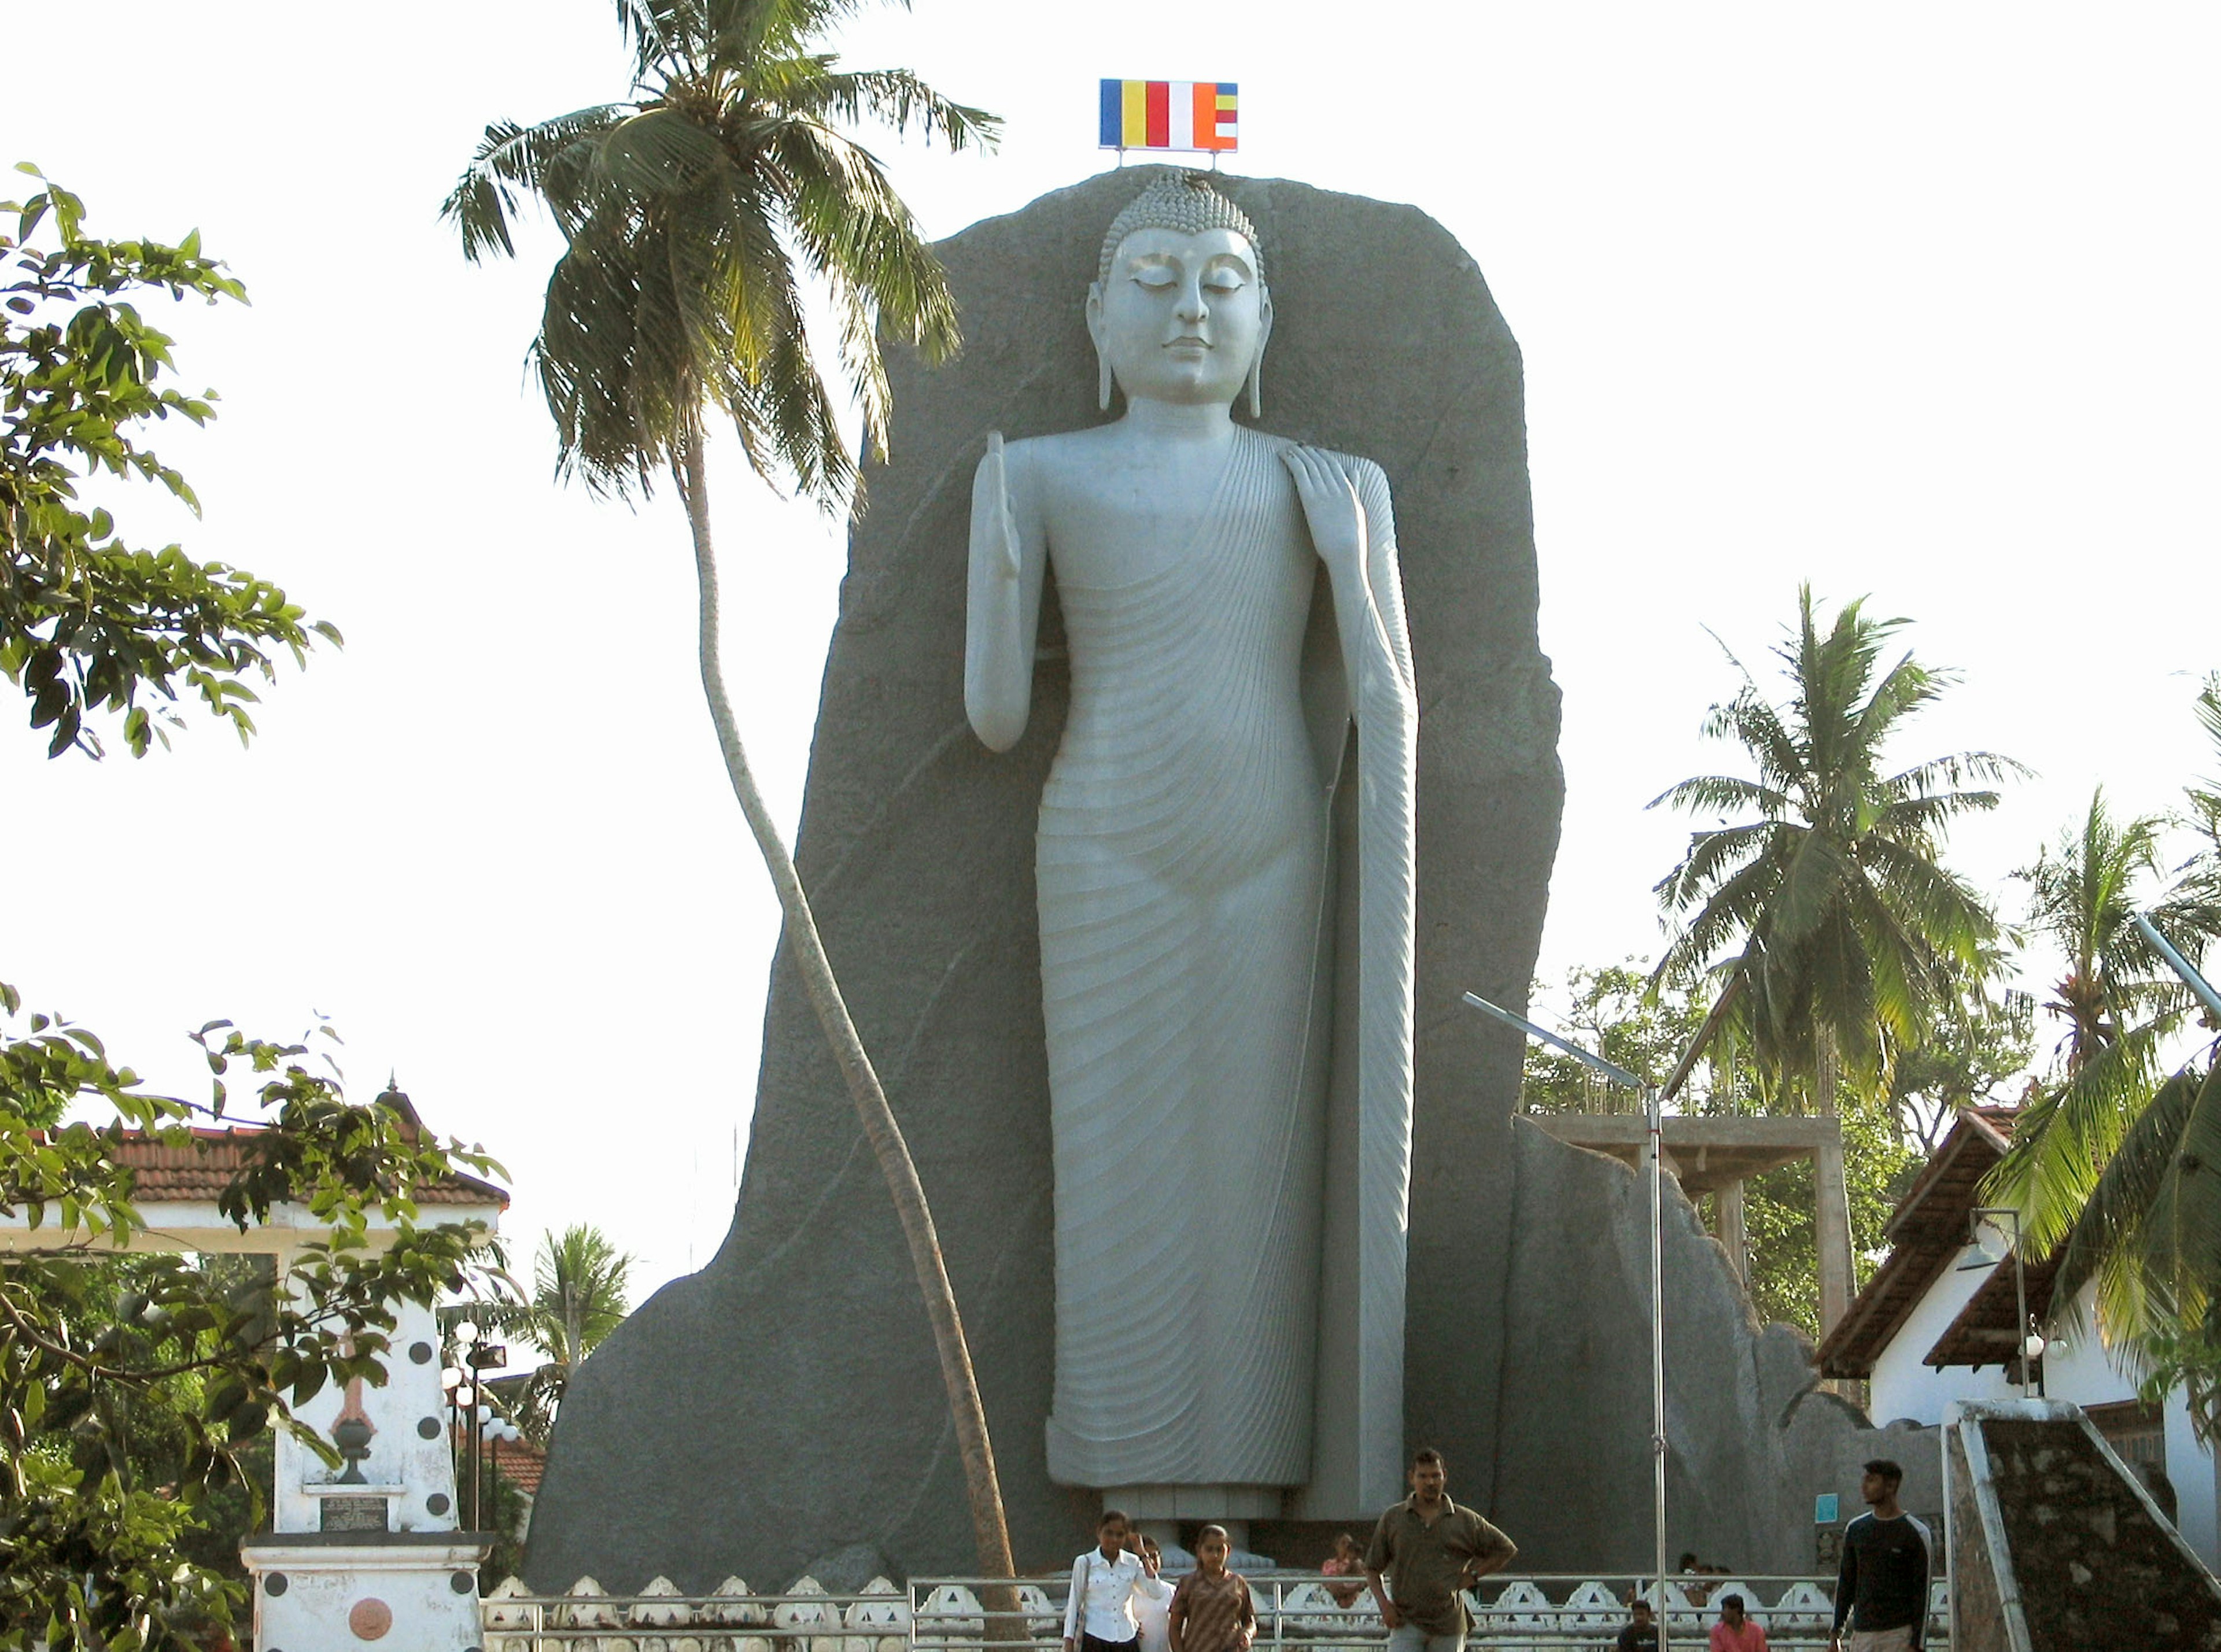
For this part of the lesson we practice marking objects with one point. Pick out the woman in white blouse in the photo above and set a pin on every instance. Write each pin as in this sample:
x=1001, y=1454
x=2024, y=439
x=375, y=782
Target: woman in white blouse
x=1098, y=1614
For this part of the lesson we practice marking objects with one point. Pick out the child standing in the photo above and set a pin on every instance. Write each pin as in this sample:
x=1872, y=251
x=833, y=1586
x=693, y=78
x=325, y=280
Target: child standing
x=1211, y=1609
x=1347, y=1561
x=1153, y=1600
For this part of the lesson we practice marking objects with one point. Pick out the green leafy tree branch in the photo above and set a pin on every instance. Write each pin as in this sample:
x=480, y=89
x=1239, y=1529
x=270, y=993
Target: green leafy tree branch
x=88, y=622
x=185, y=1366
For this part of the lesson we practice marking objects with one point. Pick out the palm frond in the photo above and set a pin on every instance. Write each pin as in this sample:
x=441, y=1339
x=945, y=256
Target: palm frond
x=893, y=97
x=513, y=163
x=1723, y=792
x=1951, y=774
x=2152, y=1213
x=2063, y=1142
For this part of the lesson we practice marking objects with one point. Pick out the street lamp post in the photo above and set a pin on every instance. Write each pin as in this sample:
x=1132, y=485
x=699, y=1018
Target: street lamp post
x=2196, y=982
x=1653, y=1106
x=2028, y=1341
x=466, y=1396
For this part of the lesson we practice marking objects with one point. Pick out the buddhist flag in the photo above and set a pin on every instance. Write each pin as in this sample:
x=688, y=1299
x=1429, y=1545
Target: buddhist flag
x=1170, y=115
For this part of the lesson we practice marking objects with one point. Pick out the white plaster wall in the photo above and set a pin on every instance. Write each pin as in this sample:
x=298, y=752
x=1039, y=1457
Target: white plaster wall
x=432, y=1593
x=401, y=1452
x=2075, y=1368
x=2190, y=1467
x=1902, y=1387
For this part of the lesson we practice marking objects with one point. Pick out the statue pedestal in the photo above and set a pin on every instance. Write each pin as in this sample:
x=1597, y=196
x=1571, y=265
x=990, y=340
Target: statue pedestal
x=1215, y=1503
x=1160, y=1511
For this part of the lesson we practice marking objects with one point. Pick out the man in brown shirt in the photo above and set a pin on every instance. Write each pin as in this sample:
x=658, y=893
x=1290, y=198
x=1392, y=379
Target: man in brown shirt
x=1432, y=1550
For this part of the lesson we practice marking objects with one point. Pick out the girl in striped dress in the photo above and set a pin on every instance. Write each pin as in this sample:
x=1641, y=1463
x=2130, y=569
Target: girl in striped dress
x=1212, y=1610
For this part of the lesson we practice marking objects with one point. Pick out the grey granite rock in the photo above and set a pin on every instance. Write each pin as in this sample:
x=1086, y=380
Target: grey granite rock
x=846, y=1569
x=1750, y=1437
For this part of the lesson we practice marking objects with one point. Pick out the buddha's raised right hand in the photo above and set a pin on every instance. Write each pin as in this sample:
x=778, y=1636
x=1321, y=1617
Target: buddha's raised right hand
x=1003, y=527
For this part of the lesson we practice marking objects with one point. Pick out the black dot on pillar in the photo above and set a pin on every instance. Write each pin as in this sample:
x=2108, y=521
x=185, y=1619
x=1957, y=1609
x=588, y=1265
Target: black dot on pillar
x=421, y=1352
x=428, y=1427
x=275, y=1584
x=462, y=1582
x=437, y=1502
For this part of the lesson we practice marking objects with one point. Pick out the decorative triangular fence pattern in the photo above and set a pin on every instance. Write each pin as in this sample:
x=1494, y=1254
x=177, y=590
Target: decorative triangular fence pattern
x=1538, y=1614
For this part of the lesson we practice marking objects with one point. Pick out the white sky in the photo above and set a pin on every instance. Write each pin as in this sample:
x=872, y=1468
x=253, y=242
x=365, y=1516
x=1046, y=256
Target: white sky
x=1912, y=300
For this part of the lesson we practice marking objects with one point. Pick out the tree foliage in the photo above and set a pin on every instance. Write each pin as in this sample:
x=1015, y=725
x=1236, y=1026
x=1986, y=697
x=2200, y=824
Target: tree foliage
x=89, y=623
x=113, y=1370
x=1612, y=1011
x=1976, y=1053
x=2118, y=1003
x=1828, y=901
x=580, y=1295
x=2114, y=1167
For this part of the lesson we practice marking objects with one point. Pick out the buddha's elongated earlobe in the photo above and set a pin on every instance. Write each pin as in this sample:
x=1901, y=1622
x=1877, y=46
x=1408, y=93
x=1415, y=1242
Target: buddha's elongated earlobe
x=1095, y=331
x=1257, y=362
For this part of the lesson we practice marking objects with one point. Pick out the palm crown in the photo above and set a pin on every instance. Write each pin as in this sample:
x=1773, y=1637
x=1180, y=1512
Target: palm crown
x=1830, y=908
x=686, y=209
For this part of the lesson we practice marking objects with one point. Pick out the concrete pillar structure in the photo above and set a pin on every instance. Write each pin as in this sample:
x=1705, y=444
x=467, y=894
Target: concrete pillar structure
x=1832, y=1218
x=1733, y=1237
x=1717, y=1156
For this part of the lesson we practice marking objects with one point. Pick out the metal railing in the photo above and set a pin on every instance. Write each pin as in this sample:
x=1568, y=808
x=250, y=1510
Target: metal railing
x=1296, y=1611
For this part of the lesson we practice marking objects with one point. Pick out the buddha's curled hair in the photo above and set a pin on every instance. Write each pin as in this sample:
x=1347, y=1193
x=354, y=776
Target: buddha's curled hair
x=1184, y=201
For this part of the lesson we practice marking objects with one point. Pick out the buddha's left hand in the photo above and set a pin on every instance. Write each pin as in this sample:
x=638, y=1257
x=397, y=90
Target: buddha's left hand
x=1331, y=507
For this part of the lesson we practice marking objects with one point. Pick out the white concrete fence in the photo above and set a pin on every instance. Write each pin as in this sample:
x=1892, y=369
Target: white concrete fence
x=1562, y=1613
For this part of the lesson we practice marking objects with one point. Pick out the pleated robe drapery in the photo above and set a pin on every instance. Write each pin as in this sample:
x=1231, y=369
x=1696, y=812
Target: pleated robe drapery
x=1182, y=870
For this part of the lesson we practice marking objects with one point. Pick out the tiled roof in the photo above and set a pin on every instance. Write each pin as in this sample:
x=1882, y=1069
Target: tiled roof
x=1989, y=1329
x=199, y=1170
x=520, y=1462
x=1927, y=1230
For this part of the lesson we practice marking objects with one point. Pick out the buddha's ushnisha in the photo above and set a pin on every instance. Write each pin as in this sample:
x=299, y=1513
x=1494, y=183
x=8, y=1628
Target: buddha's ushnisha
x=1185, y=872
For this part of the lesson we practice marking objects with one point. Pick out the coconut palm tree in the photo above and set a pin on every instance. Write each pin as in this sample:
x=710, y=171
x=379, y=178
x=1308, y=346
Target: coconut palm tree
x=578, y=1292
x=2114, y=1165
x=2120, y=1003
x=2149, y=1234
x=1827, y=906
x=578, y=1297
x=695, y=213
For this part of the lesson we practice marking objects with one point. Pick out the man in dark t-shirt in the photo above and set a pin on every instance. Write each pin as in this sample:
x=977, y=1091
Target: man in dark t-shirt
x=1641, y=1634
x=1882, y=1590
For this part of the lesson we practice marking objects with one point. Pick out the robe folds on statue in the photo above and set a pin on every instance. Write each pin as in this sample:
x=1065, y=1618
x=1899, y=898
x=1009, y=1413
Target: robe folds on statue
x=1188, y=906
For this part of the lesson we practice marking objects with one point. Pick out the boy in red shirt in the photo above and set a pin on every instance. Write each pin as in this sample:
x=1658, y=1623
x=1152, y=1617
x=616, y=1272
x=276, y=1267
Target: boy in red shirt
x=1735, y=1632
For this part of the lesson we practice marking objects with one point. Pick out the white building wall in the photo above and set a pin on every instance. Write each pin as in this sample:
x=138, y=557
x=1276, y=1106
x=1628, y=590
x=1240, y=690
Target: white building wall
x=2075, y=1368
x=2190, y=1467
x=1902, y=1387
x=408, y=1449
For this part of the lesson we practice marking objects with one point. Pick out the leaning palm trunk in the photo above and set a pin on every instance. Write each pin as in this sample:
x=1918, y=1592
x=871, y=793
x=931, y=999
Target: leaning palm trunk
x=824, y=992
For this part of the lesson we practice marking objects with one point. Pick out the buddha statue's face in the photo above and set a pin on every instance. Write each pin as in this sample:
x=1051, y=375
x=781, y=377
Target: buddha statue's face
x=1182, y=317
